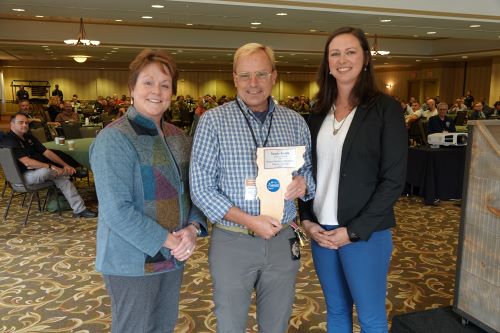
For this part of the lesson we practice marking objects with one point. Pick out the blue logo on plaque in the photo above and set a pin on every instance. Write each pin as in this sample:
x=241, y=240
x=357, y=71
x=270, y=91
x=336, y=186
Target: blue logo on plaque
x=273, y=185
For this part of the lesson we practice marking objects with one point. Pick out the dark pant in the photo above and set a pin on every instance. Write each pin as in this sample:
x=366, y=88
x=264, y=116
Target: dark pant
x=144, y=304
x=355, y=273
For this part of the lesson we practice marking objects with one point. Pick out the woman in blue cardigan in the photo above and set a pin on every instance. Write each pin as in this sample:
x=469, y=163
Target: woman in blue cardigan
x=147, y=224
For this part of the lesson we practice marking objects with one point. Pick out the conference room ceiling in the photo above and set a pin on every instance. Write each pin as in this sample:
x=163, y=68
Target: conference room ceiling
x=204, y=34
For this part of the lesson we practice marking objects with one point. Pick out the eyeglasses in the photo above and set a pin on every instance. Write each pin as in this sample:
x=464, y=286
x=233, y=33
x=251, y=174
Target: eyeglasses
x=247, y=76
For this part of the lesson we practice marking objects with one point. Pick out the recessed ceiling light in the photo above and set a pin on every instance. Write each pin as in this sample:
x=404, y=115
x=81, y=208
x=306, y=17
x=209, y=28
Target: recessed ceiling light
x=147, y=17
x=367, y=33
x=313, y=30
x=435, y=59
x=280, y=56
x=45, y=46
x=292, y=54
x=254, y=27
x=229, y=54
x=157, y=6
x=39, y=16
x=18, y=9
x=116, y=48
x=189, y=24
x=113, y=51
x=306, y=59
x=385, y=20
x=118, y=20
x=180, y=51
x=54, y=58
x=174, y=53
x=255, y=23
x=464, y=57
x=281, y=14
x=386, y=63
x=109, y=53
x=474, y=25
x=415, y=36
x=431, y=32
x=417, y=60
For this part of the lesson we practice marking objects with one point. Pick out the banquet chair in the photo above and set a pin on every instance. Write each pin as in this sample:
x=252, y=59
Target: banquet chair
x=16, y=182
x=89, y=131
x=71, y=130
x=39, y=133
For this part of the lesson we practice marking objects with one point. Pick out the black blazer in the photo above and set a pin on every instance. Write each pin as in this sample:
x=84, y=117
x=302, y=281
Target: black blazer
x=372, y=167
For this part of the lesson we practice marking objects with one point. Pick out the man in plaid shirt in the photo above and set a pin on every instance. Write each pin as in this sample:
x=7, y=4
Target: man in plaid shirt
x=249, y=251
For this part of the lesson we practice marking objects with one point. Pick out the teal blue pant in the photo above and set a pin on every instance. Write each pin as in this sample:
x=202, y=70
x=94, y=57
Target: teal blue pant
x=355, y=274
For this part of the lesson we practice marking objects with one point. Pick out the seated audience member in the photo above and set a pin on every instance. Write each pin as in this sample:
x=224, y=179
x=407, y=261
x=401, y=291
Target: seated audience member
x=39, y=164
x=497, y=108
x=469, y=100
x=441, y=123
x=458, y=106
x=24, y=107
x=487, y=110
x=431, y=109
x=477, y=112
x=67, y=115
x=75, y=103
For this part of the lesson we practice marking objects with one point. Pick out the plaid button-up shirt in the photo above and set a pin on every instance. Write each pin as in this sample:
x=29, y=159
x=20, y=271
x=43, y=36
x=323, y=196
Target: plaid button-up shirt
x=224, y=156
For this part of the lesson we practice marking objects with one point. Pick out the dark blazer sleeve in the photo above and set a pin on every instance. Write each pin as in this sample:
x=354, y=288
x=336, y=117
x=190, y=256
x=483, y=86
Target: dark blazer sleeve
x=377, y=213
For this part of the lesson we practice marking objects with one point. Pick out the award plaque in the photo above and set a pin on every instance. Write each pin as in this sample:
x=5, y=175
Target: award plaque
x=276, y=165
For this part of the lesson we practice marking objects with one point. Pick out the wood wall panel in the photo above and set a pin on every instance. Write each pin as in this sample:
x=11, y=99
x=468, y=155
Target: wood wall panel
x=478, y=79
x=88, y=84
x=495, y=81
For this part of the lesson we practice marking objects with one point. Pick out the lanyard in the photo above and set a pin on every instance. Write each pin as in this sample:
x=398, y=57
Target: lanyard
x=251, y=129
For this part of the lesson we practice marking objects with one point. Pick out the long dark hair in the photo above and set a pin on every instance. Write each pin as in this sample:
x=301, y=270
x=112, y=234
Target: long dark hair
x=364, y=91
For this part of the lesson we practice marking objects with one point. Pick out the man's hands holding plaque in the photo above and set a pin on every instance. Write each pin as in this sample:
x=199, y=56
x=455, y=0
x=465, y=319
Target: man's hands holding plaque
x=264, y=226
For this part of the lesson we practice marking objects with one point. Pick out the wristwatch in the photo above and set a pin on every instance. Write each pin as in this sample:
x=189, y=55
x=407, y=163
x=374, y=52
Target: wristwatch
x=353, y=237
x=198, y=228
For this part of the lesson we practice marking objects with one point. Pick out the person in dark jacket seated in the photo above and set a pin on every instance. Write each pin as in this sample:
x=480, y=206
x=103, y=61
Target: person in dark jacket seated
x=39, y=164
x=441, y=123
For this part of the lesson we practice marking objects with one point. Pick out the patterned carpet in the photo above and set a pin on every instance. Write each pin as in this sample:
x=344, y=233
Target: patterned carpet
x=48, y=282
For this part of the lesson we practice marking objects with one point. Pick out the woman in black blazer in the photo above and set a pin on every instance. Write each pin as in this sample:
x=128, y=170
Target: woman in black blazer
x=359, y=147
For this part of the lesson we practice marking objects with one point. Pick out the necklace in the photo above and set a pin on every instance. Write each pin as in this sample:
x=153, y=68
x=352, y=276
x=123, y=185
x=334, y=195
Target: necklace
x=336, y=130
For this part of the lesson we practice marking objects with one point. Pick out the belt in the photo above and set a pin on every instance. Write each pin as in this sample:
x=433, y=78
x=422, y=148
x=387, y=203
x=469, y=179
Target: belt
x=243, y=230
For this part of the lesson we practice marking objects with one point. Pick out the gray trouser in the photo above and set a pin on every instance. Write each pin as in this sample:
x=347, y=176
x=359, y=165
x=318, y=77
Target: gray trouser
x=63, y=183
x=238, y=264
x=144, y=304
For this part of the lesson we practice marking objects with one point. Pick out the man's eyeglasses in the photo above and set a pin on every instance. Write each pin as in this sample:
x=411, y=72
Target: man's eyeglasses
x=247, y=76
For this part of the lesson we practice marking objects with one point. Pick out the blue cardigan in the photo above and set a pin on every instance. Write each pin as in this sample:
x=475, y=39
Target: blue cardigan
x=141, y=180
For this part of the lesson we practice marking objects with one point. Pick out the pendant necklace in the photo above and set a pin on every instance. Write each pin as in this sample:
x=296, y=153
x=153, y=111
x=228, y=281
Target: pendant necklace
x=336, y=130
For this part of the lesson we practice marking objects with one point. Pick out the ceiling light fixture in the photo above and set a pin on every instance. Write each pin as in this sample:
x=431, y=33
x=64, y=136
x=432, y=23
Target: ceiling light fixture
x=39, y=16
x=474, y=26
x=281, y=14
x=18, y=9
x=147, y=17
x=80, y=58
x=431, y=32
x=385, y=20
x=157, y=6
x=118, y=20
x=82, y=38
x=255, y=23
x=375, y=51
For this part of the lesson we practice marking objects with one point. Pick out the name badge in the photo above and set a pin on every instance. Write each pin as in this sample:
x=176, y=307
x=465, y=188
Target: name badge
x=250, y=189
